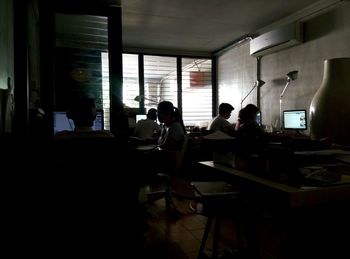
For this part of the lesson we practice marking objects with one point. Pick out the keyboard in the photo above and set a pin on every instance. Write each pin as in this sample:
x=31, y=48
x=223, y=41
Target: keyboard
x=299, y=144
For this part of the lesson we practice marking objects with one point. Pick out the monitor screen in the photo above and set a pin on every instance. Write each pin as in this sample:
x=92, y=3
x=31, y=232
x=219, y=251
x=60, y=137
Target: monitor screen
x=258, y=118
x=140, y=117
x=295, y=119
x=61, y=122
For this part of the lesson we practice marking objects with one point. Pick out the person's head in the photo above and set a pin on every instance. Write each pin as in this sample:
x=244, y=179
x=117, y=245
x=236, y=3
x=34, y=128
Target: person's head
x=167, y=114
x=225, y=110
x=152, y=114
x=83, y=112
x=248, y=113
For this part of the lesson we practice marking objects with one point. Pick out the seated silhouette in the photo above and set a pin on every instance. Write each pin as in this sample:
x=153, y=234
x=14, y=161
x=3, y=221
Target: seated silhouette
x=95, y=198
x=83, y=113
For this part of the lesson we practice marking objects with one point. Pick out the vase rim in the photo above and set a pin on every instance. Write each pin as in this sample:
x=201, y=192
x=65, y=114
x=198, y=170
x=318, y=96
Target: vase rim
x=342, y=58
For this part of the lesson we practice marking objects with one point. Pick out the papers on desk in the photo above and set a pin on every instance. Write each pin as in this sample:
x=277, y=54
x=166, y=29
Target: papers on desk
x=326, y=174
x=218, y=135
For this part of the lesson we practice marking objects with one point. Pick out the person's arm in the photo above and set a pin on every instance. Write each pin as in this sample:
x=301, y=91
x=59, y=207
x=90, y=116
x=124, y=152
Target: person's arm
x=156, y=130
x=229, y=128
x=174, y=138
x=169, y=144
x=136, y=130
x=238, y=124
x=156, y=127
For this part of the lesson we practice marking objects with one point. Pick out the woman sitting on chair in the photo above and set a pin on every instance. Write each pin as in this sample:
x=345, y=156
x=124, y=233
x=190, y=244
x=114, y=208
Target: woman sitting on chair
x=170, y=142
x=173, y=129
x=168, y=159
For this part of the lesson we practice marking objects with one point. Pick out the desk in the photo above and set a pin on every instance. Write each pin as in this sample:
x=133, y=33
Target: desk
x=294, y=197
x=299, y=223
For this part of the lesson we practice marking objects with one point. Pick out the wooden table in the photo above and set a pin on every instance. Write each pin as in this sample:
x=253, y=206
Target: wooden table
x=292, y=222
x=294, y=196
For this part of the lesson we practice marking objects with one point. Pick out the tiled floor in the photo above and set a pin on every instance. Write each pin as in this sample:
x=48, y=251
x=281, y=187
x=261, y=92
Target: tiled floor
x=168, y=237
x=279, y=234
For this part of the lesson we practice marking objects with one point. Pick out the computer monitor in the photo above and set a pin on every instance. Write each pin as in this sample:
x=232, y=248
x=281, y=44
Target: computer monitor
x=140, y=117
x=258, y=118
x=295, y=120
x=61, y=122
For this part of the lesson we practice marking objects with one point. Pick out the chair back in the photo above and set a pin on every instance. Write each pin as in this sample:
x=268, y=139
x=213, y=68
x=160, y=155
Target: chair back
x=89, y=186
x=179, y=156
x=90, y=153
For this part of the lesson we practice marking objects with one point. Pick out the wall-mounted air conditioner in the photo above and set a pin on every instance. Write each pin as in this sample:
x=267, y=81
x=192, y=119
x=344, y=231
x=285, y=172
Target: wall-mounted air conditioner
x=277, y=39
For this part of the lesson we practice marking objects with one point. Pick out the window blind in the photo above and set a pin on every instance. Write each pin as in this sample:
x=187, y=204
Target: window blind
x=160, y=79
x=196, y=91
x=130, y=80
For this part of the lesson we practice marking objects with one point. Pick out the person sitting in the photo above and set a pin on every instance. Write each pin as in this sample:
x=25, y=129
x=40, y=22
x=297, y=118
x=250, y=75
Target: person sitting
x=147, y=128
x=167, y=159
x=170, y=142
x=173, y=129
x=220, y=122
x=86, y=190
x=120, y=126
x=83, y=114
x=249, y=133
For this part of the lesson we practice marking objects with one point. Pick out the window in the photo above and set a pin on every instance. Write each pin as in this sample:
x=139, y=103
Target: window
x=196, y=91
x=161, y=84
x=160, y=80
x=105, y=90
x=130, y=80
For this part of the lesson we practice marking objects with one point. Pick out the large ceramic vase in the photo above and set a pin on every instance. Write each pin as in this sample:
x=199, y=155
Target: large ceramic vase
x=330, y=106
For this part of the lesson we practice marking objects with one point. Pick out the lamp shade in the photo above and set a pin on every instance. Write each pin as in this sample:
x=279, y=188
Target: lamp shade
x=140, y=98
x=257, y=83
x=292, y=75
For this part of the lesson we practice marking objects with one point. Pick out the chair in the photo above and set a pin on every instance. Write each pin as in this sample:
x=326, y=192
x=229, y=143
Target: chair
x=218, y=199
x=177, y=159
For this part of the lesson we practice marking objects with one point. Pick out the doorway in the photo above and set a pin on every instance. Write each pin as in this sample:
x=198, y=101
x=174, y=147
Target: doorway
x=73, y=42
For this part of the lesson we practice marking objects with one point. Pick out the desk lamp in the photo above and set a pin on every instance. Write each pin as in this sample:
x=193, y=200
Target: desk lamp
x=291, y=76
x=257, y=83
x=139, y=98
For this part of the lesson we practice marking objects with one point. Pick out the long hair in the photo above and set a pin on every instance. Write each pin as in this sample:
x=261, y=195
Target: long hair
x=167, y=107
x=247, y=113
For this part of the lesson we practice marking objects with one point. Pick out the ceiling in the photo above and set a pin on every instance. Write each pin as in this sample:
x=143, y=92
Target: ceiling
x=199, y=25
x=189, y=26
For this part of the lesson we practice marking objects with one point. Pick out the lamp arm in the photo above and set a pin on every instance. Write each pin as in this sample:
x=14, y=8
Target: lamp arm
x=150, y=100
x=281, y=96
x=248, y=93
x=285, y=88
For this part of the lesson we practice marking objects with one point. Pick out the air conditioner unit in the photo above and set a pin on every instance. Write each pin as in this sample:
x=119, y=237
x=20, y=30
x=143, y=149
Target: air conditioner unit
x=280, y=38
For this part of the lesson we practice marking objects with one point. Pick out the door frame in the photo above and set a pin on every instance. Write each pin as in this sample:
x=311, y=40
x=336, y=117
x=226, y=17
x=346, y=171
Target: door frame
x=47, y=48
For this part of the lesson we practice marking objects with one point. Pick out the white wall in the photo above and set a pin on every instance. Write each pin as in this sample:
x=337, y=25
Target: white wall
x=236, y=76
x=326, y=36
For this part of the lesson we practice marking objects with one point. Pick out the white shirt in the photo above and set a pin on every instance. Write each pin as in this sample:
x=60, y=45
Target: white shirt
x=146, y=128
x=219, y=123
